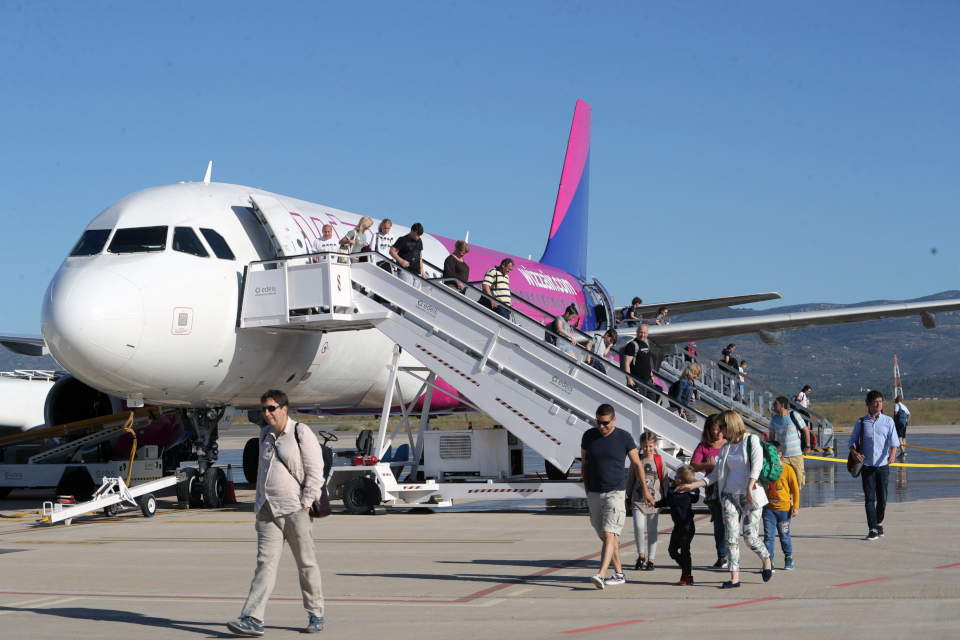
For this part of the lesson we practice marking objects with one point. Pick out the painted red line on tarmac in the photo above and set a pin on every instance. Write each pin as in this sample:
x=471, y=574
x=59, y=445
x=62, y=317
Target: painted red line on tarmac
x=603, y=626
x=544, y=572
x=947, y=566
x=740, y=604
x=850, y=584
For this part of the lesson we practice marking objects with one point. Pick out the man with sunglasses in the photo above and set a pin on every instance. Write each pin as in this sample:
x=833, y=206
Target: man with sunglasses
x=289, y=479
x=603, y=451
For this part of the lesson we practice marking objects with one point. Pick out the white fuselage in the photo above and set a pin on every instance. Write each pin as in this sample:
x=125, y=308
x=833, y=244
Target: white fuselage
x=164, y=323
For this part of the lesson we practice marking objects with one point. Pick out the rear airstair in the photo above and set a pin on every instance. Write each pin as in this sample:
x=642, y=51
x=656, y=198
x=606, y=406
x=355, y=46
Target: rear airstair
x=724, y=390
x=505, y=368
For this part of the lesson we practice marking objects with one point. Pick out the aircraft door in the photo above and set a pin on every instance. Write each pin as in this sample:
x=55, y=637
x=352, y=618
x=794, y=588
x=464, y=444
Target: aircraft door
x=287, y=238
x=604, y=310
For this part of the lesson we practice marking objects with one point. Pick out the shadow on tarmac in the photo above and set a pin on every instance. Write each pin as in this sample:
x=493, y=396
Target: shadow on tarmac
x=112, y=615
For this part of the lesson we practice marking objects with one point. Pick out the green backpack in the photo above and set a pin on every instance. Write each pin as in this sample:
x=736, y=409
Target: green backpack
x=771, y=470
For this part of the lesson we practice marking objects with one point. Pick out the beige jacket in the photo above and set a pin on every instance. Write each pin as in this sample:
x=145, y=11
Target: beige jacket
x=286, y=492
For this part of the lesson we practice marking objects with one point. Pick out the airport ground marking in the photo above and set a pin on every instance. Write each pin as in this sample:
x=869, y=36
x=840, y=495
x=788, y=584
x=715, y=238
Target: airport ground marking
x=947, y=566
x=850, y=584
x=740, y=604
x=334, y=540
x=604, y=626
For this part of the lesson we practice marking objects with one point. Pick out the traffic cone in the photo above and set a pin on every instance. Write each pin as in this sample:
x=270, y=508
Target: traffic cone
x=231, y=495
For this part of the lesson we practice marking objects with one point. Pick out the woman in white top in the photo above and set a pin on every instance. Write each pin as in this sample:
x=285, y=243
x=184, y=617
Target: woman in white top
x=741, y=496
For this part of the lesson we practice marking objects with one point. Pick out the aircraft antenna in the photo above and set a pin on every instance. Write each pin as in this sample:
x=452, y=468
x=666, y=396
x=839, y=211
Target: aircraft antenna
x=897, y=384
x=206, y=178
x=466, y=238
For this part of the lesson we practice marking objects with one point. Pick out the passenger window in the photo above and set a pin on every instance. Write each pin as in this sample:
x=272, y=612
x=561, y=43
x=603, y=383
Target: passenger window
x=185, y=240
x=220, y=247
x=91, y=242
x=139, y=240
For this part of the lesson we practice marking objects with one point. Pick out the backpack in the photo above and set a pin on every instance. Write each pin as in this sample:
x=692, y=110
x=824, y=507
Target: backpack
x=900, y=419
x=772, y=468
x=800, y=425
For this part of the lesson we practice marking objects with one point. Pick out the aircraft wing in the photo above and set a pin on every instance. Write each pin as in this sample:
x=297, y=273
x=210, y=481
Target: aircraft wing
x=24, y=345
x=767, y=325
x=690, y=306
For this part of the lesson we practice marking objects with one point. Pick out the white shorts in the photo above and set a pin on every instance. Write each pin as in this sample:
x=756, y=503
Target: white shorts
x=608, y=511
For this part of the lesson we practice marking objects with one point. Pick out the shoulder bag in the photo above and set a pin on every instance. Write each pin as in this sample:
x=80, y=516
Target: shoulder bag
x=853, y=465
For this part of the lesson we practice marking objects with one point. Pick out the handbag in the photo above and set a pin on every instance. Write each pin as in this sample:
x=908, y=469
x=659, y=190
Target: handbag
x=855, y=466
x=321, y=506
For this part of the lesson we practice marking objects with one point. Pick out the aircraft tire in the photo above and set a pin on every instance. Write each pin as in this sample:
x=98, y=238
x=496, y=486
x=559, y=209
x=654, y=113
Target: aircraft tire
x=554, y=473
x=5, y=491
x=361, y=495
x=190, y=491
x=148, y=505
x=111, y=510
x=251, y=459
x=214, y=488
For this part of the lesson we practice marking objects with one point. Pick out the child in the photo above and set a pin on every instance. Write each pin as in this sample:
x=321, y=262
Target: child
x=681, y=510
x=644, y=517
x=777, y=513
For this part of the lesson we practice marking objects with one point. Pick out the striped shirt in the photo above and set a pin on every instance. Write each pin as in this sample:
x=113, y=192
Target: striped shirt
x=499, y=285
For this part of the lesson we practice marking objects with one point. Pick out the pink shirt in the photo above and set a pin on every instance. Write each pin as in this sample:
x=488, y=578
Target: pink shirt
x=702, y=453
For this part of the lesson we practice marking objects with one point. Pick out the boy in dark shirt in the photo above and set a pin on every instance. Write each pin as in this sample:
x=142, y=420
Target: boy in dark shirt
x=681, y=510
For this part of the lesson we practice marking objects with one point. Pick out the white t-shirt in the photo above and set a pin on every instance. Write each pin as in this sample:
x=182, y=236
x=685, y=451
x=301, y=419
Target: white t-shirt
x=738, y=469
x=899, y=406
x=803, y=400
x=381, y=243
x=326, y=246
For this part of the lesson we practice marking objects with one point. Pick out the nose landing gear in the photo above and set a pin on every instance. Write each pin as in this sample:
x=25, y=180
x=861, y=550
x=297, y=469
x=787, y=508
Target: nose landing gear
x=205, y=485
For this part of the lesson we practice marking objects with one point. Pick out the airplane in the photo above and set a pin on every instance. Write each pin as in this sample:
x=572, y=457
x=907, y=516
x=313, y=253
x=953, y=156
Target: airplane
x=144, y=309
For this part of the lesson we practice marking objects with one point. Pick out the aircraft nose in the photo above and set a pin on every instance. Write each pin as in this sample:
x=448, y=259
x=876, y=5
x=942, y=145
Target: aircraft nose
x=92, y=320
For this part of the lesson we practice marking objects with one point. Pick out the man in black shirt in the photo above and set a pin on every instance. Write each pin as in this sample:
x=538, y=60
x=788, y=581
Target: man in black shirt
x=603, y=450
x=407, y=250
x=637, y=360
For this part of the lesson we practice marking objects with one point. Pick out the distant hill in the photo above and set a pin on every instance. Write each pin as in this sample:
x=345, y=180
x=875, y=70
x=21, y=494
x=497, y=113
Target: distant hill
x=838, y=361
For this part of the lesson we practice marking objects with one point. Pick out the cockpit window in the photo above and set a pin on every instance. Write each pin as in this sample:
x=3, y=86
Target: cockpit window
x=91, y=242
x=139, y=240
x=185, y=240
x=220, y=247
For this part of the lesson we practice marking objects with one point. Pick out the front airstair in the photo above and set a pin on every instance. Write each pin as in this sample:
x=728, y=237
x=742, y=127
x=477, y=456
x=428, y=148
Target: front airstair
x=505, y=368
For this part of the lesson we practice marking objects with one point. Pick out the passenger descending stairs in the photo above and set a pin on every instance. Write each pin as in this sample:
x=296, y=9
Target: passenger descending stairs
x=544, y=396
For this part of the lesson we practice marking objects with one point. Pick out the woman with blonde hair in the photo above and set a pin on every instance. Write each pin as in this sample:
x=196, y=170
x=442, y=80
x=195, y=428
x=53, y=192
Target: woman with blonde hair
x=356, y=240
x=741, y=496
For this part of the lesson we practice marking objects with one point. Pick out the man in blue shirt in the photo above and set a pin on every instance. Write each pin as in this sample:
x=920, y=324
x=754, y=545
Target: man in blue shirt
x=603, y=451
x=874, y=442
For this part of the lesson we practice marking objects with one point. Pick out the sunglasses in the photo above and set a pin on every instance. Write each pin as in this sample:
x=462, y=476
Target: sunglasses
x=270, y=408
x=604, y=423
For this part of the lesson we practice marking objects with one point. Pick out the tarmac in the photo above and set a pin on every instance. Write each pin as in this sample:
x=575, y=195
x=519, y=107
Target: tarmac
x=465, y=574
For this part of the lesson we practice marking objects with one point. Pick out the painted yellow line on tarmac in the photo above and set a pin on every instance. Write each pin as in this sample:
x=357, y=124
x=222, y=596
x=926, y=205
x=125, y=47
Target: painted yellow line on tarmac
x=338, y=540
x=892, y=464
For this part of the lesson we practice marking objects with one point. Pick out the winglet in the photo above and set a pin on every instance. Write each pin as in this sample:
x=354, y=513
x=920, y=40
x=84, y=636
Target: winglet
x=206, y=178
x=567, y=245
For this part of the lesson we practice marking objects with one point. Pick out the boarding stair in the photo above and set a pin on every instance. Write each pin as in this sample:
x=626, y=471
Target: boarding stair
x=505, y=367
x=725, y=390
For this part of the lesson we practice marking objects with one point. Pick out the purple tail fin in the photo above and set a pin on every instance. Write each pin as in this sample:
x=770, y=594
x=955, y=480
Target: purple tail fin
x=567, y=245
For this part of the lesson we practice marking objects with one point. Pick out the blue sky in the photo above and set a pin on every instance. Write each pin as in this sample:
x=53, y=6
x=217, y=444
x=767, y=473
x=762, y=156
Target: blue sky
x=807, y=148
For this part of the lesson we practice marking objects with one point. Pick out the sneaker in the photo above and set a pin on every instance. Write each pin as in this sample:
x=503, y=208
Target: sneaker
x=314, y=624
x=685, y=581
x=721, y=563
x=880, y=530
x=873, y=535
x=788, y=563
x=641, y=561
x=618, y=578
x=246, y=626
x=650, y=566
x=597, y=581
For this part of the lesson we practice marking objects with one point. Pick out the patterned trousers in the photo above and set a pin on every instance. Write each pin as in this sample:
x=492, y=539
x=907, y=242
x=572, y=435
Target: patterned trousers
x=735, y=508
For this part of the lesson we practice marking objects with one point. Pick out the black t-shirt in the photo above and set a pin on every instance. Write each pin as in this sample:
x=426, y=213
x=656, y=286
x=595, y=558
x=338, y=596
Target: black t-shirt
x=605, y=459
x=642, y=365
x=409, y=249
